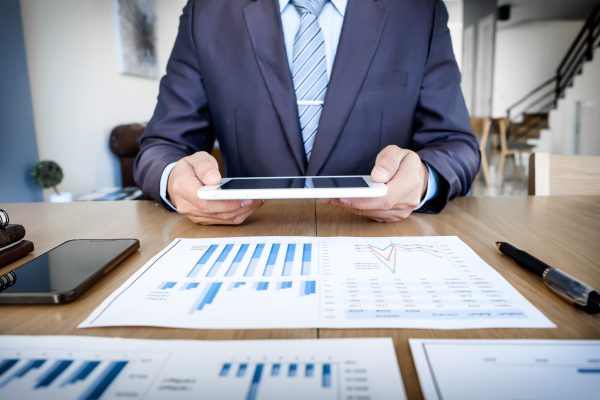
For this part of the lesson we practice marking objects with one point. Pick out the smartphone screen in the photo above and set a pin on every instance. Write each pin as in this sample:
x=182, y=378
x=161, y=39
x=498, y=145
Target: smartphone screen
x=290, y=183
x=66, y=267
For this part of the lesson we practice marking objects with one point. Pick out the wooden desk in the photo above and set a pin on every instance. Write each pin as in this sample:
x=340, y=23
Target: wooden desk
x=564, y=231
x=48, y=225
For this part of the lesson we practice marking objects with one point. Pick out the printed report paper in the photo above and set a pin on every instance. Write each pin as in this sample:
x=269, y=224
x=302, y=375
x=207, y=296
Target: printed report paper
x=507, y=369
x=86, y=368
x=307, y=282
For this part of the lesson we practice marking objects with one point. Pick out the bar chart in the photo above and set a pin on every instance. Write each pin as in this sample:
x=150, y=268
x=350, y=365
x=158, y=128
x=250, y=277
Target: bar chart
x=251, y=260
x=85, y=368
x=265, y=379
x=75, y=376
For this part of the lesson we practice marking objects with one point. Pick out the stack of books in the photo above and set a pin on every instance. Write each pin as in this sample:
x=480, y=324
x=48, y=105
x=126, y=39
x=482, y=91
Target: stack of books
x=13, y=245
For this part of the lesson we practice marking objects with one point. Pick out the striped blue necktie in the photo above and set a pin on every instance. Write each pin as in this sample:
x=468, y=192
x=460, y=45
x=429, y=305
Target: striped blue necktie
x=309, y=70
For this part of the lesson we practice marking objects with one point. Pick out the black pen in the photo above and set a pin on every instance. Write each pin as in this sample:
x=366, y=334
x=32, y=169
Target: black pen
x=581, y=295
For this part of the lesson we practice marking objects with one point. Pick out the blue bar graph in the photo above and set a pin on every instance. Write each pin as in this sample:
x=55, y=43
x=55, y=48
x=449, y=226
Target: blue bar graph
x=308, y=288
x=225, y=369
x=241, y=370
x=309, y=371
x=275, y=368
x=271, y=260
x=102, y=374
x=53, y=373
x=326, y=380
x=588, y=370
x=253, y=391
x=21, y=372
x=306, y=258
x=7, y=364
x=289, y=259
x=190, y=285
x=208, y=295
x=254, y=259
x=215, y=268
x=104, y=381
x=292, y=370
x=285, y=285
x=167, y=285
x=82, y=372
x=229, y=259
x=237, y=260
x=278, y=372
x=202, y=261
x=211, y=289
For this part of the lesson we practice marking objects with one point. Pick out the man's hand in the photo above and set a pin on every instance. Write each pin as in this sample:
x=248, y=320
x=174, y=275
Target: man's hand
x=191, y=173
x=406, y=177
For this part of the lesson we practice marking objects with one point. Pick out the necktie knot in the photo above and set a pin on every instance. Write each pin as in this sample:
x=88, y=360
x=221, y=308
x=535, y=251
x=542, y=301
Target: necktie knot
x=309, y=6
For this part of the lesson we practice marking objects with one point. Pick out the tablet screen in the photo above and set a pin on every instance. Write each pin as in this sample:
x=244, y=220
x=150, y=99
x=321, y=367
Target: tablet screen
x=290, y=183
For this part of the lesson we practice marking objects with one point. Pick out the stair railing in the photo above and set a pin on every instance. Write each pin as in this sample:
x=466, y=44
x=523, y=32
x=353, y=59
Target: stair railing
x=548, y=93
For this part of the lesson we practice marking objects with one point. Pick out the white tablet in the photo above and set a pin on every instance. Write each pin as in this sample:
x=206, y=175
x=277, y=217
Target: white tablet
x=294, y=187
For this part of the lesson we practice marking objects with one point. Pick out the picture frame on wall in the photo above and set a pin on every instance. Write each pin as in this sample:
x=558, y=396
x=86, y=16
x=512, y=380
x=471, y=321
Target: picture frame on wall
x=136, y=37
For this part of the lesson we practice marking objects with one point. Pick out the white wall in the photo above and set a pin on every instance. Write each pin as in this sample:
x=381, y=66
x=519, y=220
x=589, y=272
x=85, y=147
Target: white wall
x=455, y=25
x=527, y=55
x=78, y=94
x=564, y=121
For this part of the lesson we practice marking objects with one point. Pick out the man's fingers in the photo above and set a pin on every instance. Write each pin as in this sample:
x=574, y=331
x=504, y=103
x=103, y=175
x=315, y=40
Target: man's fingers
x=387, y=163
x=205, y=167
x=378, y=203
x=229, y=216
x=183, y=185
x=220, y=206
x=189, y=175
x=404, y=187
x=233, y=219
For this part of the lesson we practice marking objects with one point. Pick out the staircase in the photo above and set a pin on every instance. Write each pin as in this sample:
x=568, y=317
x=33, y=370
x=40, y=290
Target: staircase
x=530, y=115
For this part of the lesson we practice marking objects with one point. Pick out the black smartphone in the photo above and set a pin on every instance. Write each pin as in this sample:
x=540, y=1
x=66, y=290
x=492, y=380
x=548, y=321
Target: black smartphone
x=60, y=275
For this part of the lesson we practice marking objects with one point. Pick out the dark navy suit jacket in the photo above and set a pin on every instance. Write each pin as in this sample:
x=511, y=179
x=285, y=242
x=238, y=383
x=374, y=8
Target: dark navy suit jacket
x=394, y=81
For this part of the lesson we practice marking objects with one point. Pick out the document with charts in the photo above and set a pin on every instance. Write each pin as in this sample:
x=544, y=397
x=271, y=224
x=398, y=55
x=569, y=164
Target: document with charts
x=307, y=282
x=86, y=368
x=507, y=369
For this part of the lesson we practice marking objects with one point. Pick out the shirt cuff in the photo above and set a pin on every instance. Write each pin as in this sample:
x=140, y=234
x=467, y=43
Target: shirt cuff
x=164, y=179
x=432, y=186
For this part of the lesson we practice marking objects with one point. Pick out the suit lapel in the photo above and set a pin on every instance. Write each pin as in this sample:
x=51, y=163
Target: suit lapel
x=264, y=25
x=359, y=39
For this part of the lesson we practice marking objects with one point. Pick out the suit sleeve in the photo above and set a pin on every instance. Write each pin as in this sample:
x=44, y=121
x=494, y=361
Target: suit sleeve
x=443, y=137
x=181, y=124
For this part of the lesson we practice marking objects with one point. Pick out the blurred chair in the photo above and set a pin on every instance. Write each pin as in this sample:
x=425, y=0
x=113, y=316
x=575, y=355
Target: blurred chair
x=509, y=148
x=481, y=129
x=124, y=143
x=553, y=174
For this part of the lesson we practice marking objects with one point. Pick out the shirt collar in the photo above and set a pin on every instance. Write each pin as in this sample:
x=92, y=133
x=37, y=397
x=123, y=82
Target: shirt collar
x=340, y=5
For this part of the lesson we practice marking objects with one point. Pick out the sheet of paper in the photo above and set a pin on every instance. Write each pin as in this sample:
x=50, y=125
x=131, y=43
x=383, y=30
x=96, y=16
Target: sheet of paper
x=507, y=369
x=72, y=367
x=295, y=282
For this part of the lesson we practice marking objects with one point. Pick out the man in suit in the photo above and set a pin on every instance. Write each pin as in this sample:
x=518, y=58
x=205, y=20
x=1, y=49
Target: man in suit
x=311, y=87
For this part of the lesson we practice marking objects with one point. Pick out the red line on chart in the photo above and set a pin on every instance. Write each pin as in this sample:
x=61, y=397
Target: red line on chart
x=388, y=255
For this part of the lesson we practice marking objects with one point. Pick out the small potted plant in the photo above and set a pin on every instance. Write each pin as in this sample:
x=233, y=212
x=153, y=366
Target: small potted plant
x=48, y=174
